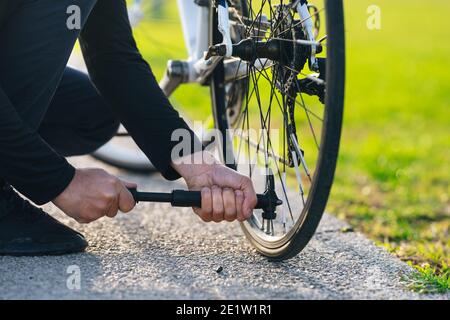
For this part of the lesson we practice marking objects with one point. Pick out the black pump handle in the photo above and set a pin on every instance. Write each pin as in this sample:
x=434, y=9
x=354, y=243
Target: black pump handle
x=183, y=198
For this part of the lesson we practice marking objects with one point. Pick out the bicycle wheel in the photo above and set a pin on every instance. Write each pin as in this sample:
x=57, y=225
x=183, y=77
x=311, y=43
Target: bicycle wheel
x=284, y=130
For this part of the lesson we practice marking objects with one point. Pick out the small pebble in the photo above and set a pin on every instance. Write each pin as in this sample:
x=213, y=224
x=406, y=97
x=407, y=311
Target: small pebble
x=347, y=229
x=219, y=269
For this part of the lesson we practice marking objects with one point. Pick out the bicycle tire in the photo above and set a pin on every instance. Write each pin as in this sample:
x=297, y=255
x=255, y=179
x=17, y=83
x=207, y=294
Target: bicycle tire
x=330, y=136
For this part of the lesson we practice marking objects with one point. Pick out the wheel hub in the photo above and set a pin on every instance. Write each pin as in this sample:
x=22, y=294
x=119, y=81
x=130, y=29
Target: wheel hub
x=281, y=47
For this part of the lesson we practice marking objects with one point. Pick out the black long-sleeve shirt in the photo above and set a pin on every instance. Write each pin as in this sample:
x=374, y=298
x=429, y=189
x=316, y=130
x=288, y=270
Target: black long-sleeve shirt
x=127, y=83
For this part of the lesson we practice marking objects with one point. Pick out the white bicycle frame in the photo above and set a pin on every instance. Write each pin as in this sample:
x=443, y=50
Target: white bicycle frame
x=195, y=23
x=195, y=20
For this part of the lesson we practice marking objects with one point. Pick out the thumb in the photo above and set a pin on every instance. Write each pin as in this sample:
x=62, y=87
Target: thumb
x=250, y=198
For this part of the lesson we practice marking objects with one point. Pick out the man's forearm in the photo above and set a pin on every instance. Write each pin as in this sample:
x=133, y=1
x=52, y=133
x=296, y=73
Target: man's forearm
x=126, y=81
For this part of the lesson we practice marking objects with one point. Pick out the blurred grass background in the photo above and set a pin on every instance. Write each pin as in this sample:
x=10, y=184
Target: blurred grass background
x=392, y=181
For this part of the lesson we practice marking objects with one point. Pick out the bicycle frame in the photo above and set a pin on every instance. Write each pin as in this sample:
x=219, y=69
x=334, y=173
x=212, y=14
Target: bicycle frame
x=195, y=20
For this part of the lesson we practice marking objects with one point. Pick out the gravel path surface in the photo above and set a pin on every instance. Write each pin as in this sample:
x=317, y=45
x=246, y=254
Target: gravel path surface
x=158, y=252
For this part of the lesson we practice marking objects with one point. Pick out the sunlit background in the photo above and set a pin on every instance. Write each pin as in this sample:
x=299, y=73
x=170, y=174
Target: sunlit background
x=392, y=180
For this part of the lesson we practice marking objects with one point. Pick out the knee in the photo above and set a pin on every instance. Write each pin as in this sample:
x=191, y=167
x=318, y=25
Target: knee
x=110, y=130
x=98, y=124
x=102, y=132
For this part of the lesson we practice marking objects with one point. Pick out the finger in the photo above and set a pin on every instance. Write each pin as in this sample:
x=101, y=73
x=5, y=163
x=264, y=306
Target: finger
x=113, y=208
x=205, y=212
x=207, y=207
x=239, y=198
x=83, y=221
x=204, y=217
x=250, y=199
x=229, y=204
x=217, y=202
x=126, y=201
x=237, y=181
x=248, y=206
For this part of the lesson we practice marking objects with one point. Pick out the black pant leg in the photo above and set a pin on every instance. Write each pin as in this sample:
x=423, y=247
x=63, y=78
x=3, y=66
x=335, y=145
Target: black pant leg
x=78, y=120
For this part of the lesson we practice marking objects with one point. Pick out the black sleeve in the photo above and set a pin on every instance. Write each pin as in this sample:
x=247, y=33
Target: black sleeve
x=126, y=81
x=26, y=161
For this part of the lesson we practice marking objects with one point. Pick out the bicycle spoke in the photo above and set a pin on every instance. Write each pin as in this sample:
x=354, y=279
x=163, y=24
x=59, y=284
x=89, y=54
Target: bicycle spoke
x=273, y=99
x=303, y=21
x=302, y=158
x=310, y=123
x=270, y=145
x=298, y=176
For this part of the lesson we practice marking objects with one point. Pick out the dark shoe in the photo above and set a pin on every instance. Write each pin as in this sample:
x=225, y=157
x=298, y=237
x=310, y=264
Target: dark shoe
x=26, y=230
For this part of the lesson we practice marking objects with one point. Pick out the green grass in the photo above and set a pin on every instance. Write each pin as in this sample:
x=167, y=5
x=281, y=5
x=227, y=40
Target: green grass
x=426, y=280
x=392, y=181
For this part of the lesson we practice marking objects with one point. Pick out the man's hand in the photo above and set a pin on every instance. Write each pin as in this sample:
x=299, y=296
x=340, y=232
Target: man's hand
x=92, y=194
x=226, y=194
